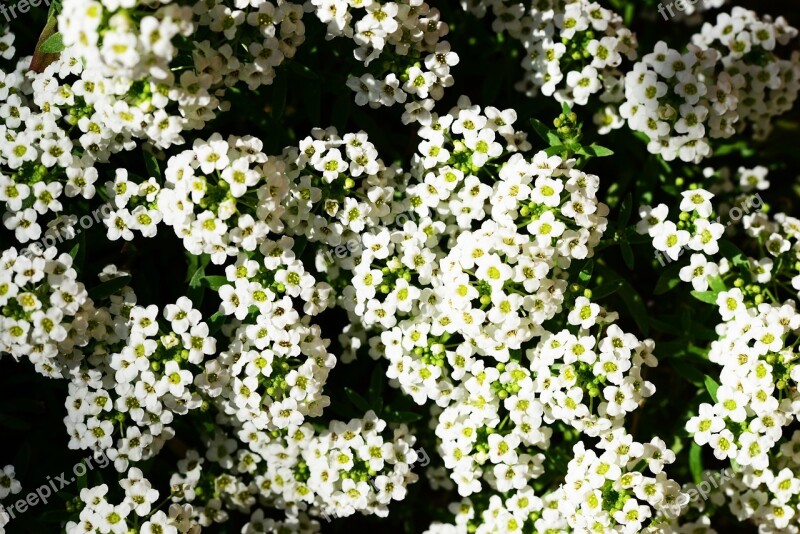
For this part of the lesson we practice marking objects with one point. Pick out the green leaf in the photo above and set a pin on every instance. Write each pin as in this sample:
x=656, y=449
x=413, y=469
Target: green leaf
x=83, y=480
x=17, y=423
x=696, y=462
x=627, y=254
x=709, y=297
x=635, y=304
x=302, y=70
x=357, y=400
x=687, y=371
x=78, y=253
x=196, y=273
x=668, y=280
x=108, y=288
x=215, y=322
x=557, y=149
x=197, y=277
x=711, y=387
x=376, y=388
x=717, y=285
x=403, y=417
x=585, y=276
x=625, y=211
x=151, y=163
x=565, y=108
x=55, y=8
x=540, y=129
x=215, y=282
x=53, y=44
x=596, y=151
x=605, y=290
x=729, y=250
x=280, y=89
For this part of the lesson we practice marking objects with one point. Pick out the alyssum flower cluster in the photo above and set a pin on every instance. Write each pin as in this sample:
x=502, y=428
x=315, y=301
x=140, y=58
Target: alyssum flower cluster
x=468, y=283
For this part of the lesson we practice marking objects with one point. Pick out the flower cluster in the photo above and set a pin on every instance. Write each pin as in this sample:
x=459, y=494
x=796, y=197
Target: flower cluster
x=695, y=229
x=348, y=467
x=46, y=315
x=729, y=78
x=572, y=48
x=220, y=196
x=136, y=378
x=766, y=84
x=473, y=284
x=757, y=394
x=144, y=47
x=456, y=303
x=409, y=33
x=99, y=514
x=276, y=363
x=620, y=485
x=339, y=188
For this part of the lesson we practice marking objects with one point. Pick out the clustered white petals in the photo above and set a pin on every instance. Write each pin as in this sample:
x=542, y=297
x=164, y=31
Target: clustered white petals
x=729, y=78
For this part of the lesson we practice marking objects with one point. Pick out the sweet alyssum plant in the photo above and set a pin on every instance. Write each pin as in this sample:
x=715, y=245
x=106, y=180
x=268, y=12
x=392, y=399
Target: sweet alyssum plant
x=324, y=265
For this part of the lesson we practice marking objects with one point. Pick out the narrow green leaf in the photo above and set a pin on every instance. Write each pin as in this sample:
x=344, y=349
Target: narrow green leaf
x=280, y=89
x=404, y=417
x=151, y=163
x=196, y=290
x=215, y=282
x=197, y=277
x=709, y=297
x=557, y=149
x=357, y=400
x=606, y=290
x=687, y=371
x=540, y=129
x=108, y=288
x=635, y=304
x=668, y=279
x=711, y=387
x=215, y=322
x=597, y=151
x=696, y=462
x=376, y=388
x=625, y=211
x=627, y=254
x=729, y=250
